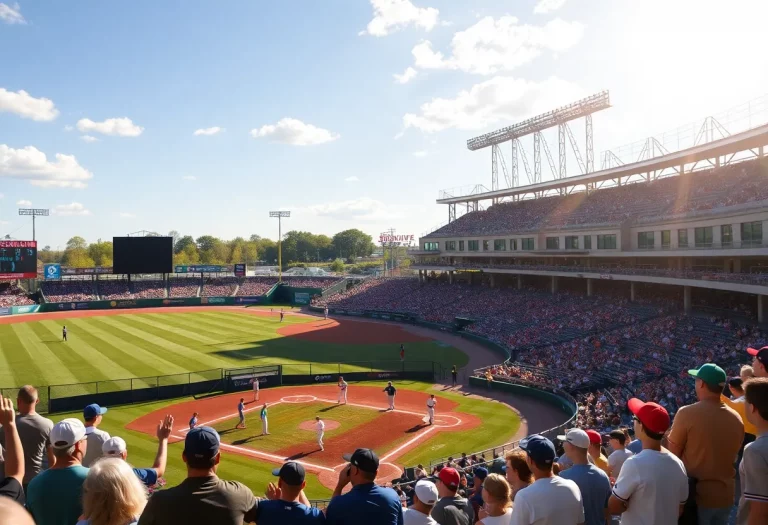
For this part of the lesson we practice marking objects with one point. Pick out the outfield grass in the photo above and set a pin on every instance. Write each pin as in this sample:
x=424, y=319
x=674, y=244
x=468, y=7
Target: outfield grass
x=153, y=344
x=499, y=425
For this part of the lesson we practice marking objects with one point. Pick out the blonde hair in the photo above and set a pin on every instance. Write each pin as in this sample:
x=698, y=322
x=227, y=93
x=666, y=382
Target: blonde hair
x=497, y=488
x=746, y=372
x=112, y=494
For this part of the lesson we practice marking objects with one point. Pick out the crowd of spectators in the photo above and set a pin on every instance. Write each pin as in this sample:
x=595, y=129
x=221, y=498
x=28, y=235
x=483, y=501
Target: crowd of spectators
x=114, y=289
x=253, y=286
x=149, y=290
x=219, y=286
x=12, y=295
x=68, y=291
x=312, y=282
x=183, y=287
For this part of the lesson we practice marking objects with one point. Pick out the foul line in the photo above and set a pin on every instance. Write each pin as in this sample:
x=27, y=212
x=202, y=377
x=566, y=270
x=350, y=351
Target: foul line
x=378, y=408
x=230, y=416
x=407, y=443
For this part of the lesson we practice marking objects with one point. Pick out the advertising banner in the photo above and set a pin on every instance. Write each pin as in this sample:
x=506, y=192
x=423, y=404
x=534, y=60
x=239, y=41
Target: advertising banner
x=211, y=268
x=213, y=300
x=301, y=298
x=247, y=300
x=52, y=272
x=97, y=270
x=5, y=311
x=26, y=309
x=239, y=270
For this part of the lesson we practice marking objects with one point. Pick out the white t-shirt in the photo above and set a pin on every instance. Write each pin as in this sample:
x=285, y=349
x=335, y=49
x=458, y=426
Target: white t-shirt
x=549, y=501
x=431, y=403
x=414, y=517
x=616, y=460
x=320, y=426
x=654, y=485
x=504, y=519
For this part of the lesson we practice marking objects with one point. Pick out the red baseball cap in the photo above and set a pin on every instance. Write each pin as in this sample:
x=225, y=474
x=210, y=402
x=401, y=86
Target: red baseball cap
x=653, y=417
x=450, y=477
x=594, y=437
x=760, y=353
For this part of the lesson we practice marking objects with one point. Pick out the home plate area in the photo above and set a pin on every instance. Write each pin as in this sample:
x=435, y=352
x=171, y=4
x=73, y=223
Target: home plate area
x=363, y=422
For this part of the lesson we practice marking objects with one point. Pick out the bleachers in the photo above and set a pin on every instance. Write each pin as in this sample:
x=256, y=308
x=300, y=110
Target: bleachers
x=67, y=291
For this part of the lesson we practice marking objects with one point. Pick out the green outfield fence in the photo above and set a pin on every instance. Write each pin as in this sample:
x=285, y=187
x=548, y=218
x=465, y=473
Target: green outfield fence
x=70, y=397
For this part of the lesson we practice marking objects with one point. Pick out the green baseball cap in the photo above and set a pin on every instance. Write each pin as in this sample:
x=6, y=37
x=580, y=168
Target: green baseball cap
x=711, y=374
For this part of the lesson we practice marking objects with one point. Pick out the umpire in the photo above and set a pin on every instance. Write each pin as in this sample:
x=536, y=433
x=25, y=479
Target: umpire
x=391, y=391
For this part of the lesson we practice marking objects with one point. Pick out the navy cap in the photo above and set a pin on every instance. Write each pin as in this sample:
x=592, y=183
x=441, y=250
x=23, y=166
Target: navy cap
x=365, y=459
x=202, y=443
x=539, y=448
x=292, y=473
x=93, y=410
x=480, y=473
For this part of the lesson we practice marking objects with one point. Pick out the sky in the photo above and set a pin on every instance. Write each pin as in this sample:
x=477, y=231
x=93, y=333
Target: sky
x=203, y=116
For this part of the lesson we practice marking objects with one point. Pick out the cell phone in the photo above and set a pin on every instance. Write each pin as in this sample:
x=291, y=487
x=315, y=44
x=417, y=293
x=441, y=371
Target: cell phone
x=349, y=470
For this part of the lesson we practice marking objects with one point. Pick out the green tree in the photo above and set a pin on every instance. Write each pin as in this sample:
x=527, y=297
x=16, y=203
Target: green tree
x=337, y=266
x=183, y=242
x=101, y=253
x=77, y=242
x=352, y=243
x=78, y=258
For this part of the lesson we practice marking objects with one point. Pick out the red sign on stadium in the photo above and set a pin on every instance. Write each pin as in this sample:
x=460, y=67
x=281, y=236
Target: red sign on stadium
x=396, y=239
x=18, y=260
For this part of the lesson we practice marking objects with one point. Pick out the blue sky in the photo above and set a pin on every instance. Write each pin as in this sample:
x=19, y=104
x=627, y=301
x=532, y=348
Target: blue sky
x=349, y=113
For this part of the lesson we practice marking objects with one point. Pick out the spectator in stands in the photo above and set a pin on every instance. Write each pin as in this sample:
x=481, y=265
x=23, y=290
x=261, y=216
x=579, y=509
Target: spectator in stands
x=286, y=503
x=746, y=372
x=54, y=496
x=753, y=471
x=33, y=430
x=498, y=501
x=367, y=502
x=652, y=486
x=92, y=414
x=735, y=385
x=497, y=465
x=518, y=473
x=424, y=499
x=760, y=362
x=202, y=498
x=620, y=454
x=419, y=472
x=10, y=485
x=707, y=437
x=592, y=481
x=596, y=450
x=451, y=509
x=550, y=500
x=116, y=447
x=476, y=497
x=13, y=513
x=112, y=494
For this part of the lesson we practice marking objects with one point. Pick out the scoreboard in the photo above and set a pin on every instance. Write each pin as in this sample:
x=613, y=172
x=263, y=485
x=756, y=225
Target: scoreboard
x=18, y=259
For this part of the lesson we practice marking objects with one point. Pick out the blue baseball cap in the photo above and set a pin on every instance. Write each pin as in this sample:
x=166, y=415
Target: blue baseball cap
x=480, y=473
x=539, y=448
x=201, y=443
x=93, y=410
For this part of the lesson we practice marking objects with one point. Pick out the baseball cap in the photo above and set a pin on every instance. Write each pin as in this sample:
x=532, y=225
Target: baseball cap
x=576, y=437
x=426, y=491
x=480, y=473
x=93, y=410
x=760, y=353
x=654, y=417
x=539, y=448
x=292, y=473
x=594, y=437
x=201, y=443
x=114, y=446
x=736, y=382
x=711, y=374
x=450, y=478
x=363, y=458
x=66, y=433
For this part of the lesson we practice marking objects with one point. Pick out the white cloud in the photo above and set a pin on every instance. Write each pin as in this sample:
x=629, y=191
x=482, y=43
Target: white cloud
x=89, y=138
x=492, y=45
x=547, y=6
x=119, y=127
x=11, y=14
x=505, y=99
x=363, y=209
x=408, y=75
x=393, y=15
x=24, y=203
x=68, y=128
x=189, y=177
x=291, y=131
x=126, y=215
x=26, y=106
x=353, y=178
x=420, y=153
x=208, y=131
x=31, y=164
x=70, y=210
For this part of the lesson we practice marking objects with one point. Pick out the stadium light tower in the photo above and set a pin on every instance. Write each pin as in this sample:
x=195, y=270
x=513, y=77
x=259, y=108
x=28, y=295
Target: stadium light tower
x=34, y=212
x=280, y=215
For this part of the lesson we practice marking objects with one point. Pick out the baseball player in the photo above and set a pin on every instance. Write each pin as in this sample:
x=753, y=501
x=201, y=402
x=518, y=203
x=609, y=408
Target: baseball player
x=431, y=402
x=264, y=425
x=391, y=391
x=241, y=413
x=64, y=333
x=255, y=388
x=402, y=352
x=282, y=314
x=454, y=373
x=342, y=390
x=320, y=427
x=325, y=312
x=193, y=421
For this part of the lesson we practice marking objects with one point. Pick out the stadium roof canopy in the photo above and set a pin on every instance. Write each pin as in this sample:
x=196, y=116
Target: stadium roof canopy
x=746, y=140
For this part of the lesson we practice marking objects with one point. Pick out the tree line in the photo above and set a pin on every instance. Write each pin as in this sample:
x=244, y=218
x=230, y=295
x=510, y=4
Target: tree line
x=298, y=247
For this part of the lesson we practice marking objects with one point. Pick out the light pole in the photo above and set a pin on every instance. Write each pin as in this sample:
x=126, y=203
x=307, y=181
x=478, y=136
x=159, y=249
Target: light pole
x=34, y=212
x=280, y=215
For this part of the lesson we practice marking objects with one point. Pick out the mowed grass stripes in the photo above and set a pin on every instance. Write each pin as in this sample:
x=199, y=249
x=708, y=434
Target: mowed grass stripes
x=109, y=348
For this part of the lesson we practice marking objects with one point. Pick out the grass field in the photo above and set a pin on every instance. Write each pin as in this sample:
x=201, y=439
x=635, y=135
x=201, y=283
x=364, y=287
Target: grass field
x=152, y=344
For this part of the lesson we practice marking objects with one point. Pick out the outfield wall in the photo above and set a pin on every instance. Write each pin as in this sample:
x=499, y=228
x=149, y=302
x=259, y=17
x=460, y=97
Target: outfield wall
x=117, y=304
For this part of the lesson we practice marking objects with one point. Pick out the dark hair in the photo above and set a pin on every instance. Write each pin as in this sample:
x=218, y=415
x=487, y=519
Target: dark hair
x=619, y=436
x=28, y=394
x=714, y=389
x=201, y=463
x=756, y=394
x=653, y=435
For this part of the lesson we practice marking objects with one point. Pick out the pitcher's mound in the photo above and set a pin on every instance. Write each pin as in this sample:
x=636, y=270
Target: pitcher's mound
x=309, y=424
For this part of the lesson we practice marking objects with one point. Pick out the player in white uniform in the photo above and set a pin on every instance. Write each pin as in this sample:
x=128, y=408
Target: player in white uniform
x=342, y=390
x=255, y=388
x=325, y=312
x=320, y=427
x=431, y=402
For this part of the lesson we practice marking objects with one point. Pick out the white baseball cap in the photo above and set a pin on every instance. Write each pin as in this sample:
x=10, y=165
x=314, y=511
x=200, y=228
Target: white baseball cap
x=576, y=437
x=66, y=433
x=114, y=446
x=426, y=491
